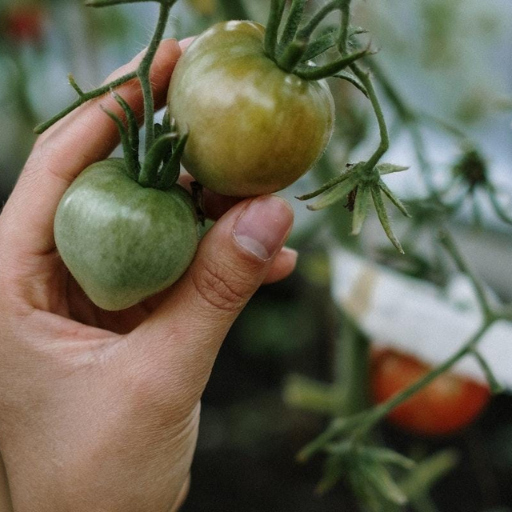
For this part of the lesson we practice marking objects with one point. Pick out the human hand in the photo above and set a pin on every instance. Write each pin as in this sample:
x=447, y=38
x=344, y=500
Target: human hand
x=99, y=410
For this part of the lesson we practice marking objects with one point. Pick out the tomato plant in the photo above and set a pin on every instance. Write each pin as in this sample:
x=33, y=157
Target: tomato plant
x=254, y=128
x=123, y=242
x=446, y=405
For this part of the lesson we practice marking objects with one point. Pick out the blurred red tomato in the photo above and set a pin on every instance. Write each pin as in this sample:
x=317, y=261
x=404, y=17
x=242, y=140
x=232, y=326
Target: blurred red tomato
x=25, y=22
x=446, y=405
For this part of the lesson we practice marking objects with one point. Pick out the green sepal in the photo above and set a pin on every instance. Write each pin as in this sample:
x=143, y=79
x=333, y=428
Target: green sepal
x=171, y=169
x=149, y=173
x=321, y=72
x=428, y=472
x=334, y=469
x=360, y=208
x=327, y=40
x=273, y=24
x=167, y=126
x=331, y=183
x=292, y=25
x=383, y=217
x=498, y=208
x=133, y=127
x=349, y=77
x=381, y=480
x=132, y=163
x=392, y=197
x=335, y=194
x=390, y=168
x=320, y=45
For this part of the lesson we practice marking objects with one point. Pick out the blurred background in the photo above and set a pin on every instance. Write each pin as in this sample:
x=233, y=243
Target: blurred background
x=448, y=62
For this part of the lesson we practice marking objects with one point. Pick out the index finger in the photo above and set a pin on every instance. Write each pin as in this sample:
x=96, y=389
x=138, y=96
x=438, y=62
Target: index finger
x=80, y=139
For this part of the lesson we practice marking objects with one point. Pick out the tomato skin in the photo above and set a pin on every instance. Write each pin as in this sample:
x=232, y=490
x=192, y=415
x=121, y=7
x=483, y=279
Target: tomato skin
x=123, y=242
x=446, y=405
x=254, y=129
x=25, y=23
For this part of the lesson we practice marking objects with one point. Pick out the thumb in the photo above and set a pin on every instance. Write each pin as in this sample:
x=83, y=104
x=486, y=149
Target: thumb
x=232, y=262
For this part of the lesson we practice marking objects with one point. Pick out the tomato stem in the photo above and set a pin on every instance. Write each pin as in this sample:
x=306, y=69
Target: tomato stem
x=345, y=24
x=143, y=73
x=365, y=79
x=449, y=244
x=292, y=55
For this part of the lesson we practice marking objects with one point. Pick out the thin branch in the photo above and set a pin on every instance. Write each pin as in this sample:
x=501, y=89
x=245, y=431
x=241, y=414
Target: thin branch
x=100, y=91
x=449, y=244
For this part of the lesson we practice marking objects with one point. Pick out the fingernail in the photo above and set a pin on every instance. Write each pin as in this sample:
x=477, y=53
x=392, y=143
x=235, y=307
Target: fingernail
x=185, y=43
x=264, y=226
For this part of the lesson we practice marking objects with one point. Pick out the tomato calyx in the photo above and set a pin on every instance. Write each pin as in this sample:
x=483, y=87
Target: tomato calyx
x=161, y=166
x=470, y=173
x=293, y=50
x=362, y=184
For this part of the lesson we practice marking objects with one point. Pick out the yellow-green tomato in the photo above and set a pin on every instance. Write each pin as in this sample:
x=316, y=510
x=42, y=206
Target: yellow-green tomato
x=123, y=242
x=254, y=129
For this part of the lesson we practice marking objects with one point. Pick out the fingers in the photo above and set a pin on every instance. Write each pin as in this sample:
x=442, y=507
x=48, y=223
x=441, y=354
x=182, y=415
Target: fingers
x=233, y=260
x=282, y=267
x=81, y=138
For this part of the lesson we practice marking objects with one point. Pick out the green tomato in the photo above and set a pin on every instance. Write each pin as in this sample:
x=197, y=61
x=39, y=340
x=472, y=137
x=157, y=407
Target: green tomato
x=123, y=242
x=254, y=129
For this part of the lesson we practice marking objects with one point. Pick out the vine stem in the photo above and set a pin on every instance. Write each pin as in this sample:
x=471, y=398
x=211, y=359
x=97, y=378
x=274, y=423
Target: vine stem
x=365, y=79
x=345, y=26
x=83, y=99
x=143, y=72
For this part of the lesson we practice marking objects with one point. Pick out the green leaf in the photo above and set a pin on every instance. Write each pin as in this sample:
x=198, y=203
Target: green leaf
x=335, y=194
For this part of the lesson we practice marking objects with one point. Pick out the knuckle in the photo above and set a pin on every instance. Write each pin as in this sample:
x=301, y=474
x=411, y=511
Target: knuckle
x=221, y=287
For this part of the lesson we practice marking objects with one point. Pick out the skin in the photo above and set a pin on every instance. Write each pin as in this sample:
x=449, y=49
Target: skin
x=99, y=411
x=254, y=129
x=445, y=406
x=123, y=242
